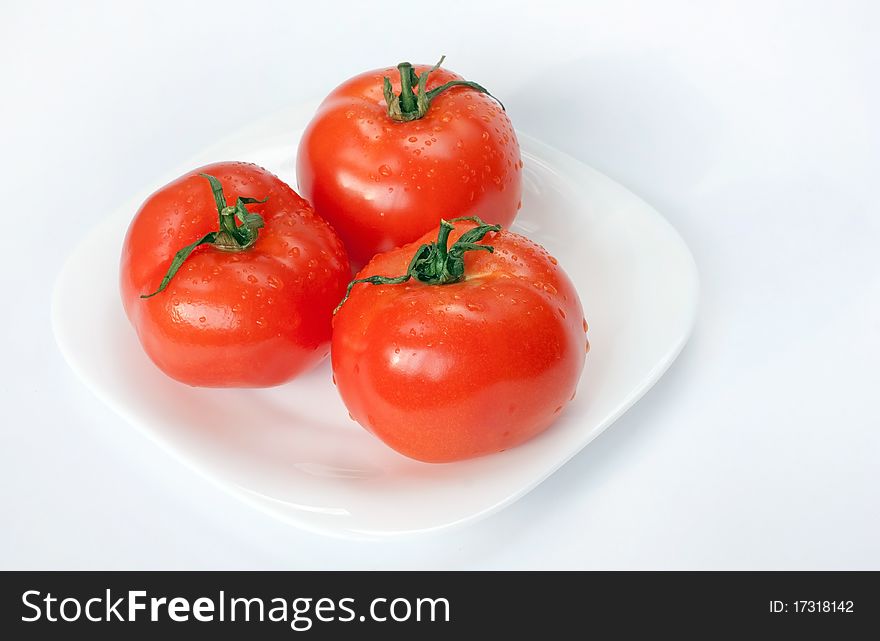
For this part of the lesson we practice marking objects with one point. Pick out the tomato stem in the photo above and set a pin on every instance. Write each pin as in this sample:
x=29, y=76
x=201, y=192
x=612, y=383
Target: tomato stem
x=409, y=106
x=436, y=263
x=230, y=237
x=407, y=98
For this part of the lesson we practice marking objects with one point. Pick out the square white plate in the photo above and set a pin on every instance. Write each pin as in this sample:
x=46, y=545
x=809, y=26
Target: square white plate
x=293, y=451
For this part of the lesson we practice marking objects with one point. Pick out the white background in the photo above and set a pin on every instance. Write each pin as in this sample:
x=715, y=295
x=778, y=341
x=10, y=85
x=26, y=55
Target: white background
x=751, y=126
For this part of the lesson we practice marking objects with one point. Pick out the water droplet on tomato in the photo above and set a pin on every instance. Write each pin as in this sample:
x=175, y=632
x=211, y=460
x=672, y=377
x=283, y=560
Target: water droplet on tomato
x=251, y=278
x=274, y=282
x=202, y=319
x=413, y=139
x=385, y=170
x=561, y=312
x=552, y=260
x=550, y=289
x=485, y=135
x=586, y=327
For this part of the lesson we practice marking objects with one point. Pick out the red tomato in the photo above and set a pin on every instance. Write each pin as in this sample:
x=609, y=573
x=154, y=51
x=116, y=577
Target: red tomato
x=251, y=306
x=443, y=372
x=382, y=182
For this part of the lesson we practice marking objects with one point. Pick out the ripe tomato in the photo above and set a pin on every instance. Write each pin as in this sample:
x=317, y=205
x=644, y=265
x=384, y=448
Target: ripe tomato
x=464, y=354
x=251, y=305
x=383, y=164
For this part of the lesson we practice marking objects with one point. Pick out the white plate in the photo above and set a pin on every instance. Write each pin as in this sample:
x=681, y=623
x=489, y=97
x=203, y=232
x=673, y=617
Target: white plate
x=292, y=450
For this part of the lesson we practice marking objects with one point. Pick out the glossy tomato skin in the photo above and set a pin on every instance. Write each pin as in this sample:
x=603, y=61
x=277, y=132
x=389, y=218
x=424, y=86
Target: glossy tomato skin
x=448, y=372
x=253, y=318
x=383, y=183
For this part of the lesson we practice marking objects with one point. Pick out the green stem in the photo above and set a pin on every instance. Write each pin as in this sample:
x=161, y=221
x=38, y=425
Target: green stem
x=409, y=106
x=443, y=240
x=436, y=263
x=229, y=237
x=407, y=99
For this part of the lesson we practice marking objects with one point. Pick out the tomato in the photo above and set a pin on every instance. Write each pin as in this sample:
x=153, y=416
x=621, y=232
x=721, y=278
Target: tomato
x=383, y=176
x=451, y=354
x=251, y=305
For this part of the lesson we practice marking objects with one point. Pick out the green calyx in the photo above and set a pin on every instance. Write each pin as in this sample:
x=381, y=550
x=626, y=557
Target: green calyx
x=412, y=106
x=231, y=236
x=436, y=263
